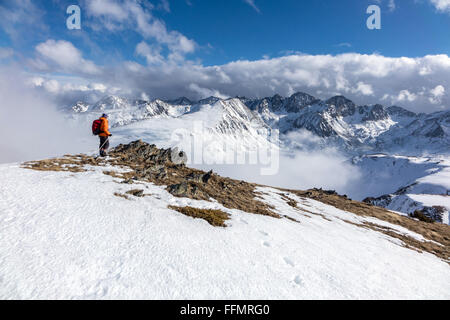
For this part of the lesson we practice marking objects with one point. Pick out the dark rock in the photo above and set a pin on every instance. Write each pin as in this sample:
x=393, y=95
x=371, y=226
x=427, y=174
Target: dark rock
x=128, y=181
x=207, y=176
x=187, y=190
x=376, y=112
x=136, y=192
x=140, y=151
x=344, y=106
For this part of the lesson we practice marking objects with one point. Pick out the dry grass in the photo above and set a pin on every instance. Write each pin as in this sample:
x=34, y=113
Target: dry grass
x=121, y=195
x=292, y=219
x=136, y=192
x=421, y=216
x=289, y=201
x=182, y=181
x=215, y=218
x=233, y=194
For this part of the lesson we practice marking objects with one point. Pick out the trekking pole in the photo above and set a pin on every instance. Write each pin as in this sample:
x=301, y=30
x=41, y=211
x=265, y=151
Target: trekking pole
x=101, y=147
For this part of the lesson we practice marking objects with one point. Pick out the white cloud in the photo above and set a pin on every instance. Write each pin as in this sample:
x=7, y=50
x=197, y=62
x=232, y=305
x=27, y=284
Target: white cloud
x=405, y=95
x=37, y=113
x=115, y=15
x=438, y=91
x=437, y=94
x=64, y=55
x=152, y=54
x=206, y=92
x=366, y=79
x=19, y=16
x=363, y=88
x=441, y=5
x=107, y=9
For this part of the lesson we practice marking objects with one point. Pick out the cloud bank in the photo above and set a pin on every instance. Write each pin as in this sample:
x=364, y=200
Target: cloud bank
x=162, y=68
x=30, y=125
x=419, y=84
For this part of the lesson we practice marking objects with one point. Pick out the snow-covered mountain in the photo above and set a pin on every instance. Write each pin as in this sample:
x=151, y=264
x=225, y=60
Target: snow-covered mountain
x=420, y=184
x=337, y=120
x=357, y=128
x=237, y=125
x=136, y=225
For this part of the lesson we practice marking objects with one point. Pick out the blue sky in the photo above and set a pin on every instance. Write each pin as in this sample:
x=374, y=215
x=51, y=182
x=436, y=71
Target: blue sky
x=197, y=47
x=231, y=30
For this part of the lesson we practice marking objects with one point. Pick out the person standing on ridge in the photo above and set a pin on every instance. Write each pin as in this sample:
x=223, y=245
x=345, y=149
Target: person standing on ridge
x=104, y=135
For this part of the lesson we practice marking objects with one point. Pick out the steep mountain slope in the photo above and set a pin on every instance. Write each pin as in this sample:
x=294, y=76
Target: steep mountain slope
x=357, y=128
x=137, y=225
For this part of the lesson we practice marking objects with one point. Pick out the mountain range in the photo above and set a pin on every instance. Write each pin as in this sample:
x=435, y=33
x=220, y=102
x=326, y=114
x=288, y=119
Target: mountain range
x=368, y=135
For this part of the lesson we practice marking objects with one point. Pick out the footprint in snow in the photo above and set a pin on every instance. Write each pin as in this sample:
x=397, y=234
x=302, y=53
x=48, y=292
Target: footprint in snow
x=289, y=262
x=263, y=233
x=266, y=244
x=298, y=280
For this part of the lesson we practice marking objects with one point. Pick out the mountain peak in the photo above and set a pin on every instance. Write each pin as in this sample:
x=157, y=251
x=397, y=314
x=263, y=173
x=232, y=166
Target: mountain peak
x=399, y=111
x=181, y=101
x=209, y=100
x=111, y=102
x=344, y=107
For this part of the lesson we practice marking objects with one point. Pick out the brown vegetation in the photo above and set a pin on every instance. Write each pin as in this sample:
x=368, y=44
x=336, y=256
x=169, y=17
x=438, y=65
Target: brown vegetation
x=215, y=218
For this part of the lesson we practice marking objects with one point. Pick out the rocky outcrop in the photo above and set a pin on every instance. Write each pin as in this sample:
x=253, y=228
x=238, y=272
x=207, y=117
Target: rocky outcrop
x=139, y=151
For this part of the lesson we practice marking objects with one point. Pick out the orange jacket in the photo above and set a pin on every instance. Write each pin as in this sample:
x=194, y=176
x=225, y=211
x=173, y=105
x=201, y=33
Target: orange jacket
x=104, y=128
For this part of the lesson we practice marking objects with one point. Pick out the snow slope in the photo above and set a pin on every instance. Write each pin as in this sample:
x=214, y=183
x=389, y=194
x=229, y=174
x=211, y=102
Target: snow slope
x=64, y=235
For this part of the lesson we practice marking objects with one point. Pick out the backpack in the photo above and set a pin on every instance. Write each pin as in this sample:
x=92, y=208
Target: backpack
x=96, y=127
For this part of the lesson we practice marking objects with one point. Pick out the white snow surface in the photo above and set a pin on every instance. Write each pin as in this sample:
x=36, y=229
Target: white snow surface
x=65, y=236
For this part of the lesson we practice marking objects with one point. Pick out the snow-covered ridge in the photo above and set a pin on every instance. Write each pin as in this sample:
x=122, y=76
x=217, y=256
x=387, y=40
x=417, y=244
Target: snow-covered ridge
x=337, y=120
x=55, y=242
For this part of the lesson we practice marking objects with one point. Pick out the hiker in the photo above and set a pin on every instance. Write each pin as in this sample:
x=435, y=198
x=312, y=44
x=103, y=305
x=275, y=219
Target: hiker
x=104, y=135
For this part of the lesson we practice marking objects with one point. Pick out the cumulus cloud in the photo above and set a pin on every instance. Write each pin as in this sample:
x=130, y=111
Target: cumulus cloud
x=441, y=5
x=64, y=56
x=405, y=95
x=152, y=53
x=366, y=79
x=115, y=15
x=364, y=89
x=437, y=94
